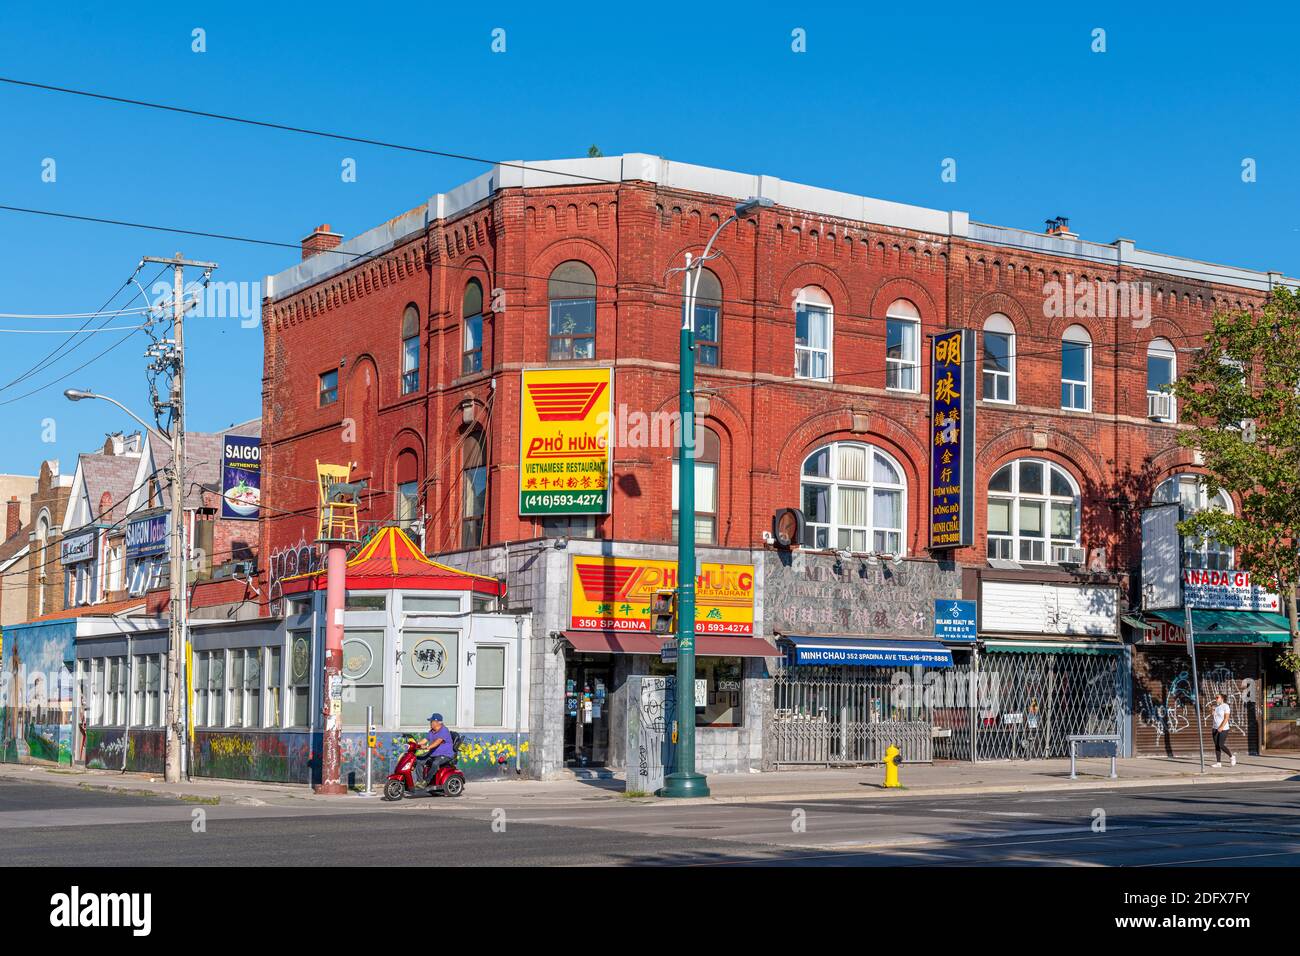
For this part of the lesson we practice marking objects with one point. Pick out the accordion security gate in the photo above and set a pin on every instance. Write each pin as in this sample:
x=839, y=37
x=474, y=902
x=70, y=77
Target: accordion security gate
x=1016, y=706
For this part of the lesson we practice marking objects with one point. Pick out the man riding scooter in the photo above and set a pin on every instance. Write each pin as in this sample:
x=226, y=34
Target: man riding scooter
x=437, y=748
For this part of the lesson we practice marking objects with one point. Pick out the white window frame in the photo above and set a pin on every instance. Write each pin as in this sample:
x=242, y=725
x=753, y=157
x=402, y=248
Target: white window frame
x=503, y=687
x=816, y=298
x=1189, y=490
x=1163, y=349
x=1077, y=334
x=904, y=312
x=1010, y=544
x=833, y=482
x=999, y=324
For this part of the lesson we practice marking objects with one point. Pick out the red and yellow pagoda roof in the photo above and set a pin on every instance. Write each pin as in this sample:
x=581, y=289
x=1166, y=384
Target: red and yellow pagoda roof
x=391, y=561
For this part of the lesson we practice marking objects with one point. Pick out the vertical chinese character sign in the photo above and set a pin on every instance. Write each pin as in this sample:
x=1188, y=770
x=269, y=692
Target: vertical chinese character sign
x=952, y=438
x=564, y=456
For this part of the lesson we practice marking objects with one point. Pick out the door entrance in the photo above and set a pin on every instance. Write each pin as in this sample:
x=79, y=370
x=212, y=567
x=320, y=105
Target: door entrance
x=586, y=710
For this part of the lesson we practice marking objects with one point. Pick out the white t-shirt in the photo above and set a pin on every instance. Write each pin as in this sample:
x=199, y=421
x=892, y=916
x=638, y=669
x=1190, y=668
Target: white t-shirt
x=1221, y=712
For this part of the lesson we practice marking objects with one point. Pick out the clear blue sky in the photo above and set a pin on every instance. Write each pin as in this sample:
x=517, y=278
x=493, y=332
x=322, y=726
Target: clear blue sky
x=1143, y=141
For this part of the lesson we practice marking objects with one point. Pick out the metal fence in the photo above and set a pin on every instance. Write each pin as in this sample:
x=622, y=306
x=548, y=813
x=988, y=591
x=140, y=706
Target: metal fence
x=1011, y=706
x=844, y=715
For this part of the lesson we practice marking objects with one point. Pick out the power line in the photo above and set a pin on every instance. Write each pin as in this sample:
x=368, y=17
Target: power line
x=137, y=310
x=306, y=131
x=111, y=328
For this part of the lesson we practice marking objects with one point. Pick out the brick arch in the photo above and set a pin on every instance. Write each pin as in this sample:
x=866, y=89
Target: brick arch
x=474, y=267
x=815, y=273
x=574, y=247
x=901, y=287
x=1060, y=323
x=1009, y=306
x=1018, y=442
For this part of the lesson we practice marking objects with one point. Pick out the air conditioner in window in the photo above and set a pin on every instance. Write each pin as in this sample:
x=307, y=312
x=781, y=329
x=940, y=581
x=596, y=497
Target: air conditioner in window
x=1160, y=406
x=1067, y=556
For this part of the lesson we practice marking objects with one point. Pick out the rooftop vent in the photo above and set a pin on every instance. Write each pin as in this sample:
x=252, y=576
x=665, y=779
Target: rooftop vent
x=1060, y=228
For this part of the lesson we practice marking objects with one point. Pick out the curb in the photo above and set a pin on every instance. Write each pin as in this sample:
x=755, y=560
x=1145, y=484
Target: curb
x=876, y=792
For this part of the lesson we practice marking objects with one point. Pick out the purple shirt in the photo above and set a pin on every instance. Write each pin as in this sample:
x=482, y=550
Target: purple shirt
x=443, y=749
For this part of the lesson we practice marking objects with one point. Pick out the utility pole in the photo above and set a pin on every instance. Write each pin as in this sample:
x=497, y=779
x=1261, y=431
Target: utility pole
x=177, y=636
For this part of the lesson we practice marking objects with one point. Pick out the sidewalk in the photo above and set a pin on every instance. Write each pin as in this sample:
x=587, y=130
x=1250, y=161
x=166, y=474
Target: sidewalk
x=919, y=780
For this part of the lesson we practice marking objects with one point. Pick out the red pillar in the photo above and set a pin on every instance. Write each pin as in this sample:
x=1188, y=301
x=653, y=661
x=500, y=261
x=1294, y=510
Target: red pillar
x=331, y=749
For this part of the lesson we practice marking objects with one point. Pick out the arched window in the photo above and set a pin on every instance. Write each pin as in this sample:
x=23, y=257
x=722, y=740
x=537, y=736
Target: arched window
x=474, y=490
x=1076, y=369
x=410, y=349
x=1191, y=492
x=572, y=295
x=1161, y=370
x=708, y=319
x=708, y=460
x=999, y=359
x=903, y=346
x=406, y=477
x=471, y=310
x=1033, y=512
x=854, y=499
x=813, y=334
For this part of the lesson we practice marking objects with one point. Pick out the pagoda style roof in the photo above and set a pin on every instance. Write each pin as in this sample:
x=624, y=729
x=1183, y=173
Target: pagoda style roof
x=391, y=561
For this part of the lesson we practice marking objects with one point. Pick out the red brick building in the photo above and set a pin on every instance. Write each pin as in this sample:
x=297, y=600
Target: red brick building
x=402, y=349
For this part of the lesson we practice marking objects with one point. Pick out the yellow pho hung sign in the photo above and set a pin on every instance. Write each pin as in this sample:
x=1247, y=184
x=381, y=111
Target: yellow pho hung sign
x=564, y=455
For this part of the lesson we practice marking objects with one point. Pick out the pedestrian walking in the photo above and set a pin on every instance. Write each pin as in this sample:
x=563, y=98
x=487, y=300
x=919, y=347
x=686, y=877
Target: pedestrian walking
x=1222, y=720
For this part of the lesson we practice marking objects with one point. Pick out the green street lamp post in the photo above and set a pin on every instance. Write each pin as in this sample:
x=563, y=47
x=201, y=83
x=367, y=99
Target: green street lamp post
x=684, y=781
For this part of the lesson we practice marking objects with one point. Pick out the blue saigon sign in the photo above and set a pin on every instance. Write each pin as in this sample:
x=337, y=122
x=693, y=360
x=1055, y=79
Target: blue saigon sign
x=955, y=621
x=952, y=438
x=147, y=536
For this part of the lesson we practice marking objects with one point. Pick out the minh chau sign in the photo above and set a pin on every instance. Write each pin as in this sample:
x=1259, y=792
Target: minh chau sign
x=1226, y=591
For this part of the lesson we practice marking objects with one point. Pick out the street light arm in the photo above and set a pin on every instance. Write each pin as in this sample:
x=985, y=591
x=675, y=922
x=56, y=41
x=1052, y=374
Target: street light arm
x=113, y=401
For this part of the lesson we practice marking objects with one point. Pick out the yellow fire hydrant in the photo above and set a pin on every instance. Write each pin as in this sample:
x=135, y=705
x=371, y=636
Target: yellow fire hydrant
x=893, y=757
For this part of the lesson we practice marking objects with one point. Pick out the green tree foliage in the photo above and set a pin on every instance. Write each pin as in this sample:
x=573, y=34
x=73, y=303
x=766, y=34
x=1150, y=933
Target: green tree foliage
x=1241, y=397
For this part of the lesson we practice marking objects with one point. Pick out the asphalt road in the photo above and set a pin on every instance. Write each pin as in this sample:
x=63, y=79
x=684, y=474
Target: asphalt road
x=1229, y=825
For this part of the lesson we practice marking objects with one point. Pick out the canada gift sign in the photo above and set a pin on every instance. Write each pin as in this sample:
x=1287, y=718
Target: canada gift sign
x=614, y=594
x=564, y=456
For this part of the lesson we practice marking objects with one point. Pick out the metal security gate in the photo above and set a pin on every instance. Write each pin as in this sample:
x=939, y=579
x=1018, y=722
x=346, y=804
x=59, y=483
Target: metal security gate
x=845, y=715
x=1013, y=705
x=1035, y=700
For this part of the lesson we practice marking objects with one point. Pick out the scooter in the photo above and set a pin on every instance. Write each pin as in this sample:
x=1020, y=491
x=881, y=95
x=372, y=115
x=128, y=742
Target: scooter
x=402, y=781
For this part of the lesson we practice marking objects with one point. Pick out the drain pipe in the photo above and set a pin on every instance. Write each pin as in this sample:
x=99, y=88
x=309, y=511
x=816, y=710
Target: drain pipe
x=519, y=685
x=130, y=687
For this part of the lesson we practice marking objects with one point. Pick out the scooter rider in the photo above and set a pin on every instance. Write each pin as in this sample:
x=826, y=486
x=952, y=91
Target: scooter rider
x=440, y=749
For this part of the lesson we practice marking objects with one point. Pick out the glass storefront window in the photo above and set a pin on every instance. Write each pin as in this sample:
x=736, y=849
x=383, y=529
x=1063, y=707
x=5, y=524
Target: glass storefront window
x=429, y=676
x=363, y=676
x=724, y=684
x=300, y=678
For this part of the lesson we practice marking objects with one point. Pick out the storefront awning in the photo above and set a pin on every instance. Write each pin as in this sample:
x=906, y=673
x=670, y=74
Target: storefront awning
x=1232, y=627
x=706, y=645
x=1045, y=647
x=867, y=652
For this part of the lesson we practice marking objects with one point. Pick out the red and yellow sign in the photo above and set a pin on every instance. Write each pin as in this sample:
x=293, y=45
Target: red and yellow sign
x=563, y=453
x=615, y=594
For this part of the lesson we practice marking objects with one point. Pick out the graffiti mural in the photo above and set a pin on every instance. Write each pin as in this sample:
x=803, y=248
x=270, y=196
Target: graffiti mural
x=1164, y=703
x=300, y=558
x=36, y=693
x=294, y=756
x=145, y=750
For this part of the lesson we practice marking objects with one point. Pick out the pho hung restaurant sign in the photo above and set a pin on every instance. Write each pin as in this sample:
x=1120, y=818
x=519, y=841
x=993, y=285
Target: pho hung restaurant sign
x=1227, y=591
x=241, y=477
x=564, y=455
x=147, y=536
x=614, y=594
x=952, y=438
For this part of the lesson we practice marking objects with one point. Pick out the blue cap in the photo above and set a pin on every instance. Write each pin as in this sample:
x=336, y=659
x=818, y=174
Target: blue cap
x=437, y=717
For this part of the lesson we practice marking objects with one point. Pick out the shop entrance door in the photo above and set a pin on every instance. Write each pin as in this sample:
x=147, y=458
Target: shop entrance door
x=586, y=711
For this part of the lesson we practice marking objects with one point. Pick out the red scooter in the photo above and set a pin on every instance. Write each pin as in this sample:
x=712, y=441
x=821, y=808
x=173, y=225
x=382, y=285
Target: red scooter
x=402, y=781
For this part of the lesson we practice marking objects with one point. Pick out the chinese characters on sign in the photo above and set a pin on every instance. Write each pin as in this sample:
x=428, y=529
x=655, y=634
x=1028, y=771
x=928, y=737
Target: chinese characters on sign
x=564, y=457
x=614, y=594
x=952, y=435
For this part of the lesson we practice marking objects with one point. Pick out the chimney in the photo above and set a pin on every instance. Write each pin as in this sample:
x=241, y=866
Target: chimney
x=1060, y=228
x=12, y=517
x=320, y=241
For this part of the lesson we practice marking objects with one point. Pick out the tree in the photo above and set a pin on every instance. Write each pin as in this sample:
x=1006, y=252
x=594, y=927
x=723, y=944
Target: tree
x=593, y=151
x=1242, y=399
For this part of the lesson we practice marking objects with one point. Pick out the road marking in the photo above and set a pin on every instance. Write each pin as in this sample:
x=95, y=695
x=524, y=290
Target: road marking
x=1220, y=859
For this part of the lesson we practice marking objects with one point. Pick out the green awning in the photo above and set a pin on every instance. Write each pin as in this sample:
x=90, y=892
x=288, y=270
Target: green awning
x=1039, y=647
x=1233, y=627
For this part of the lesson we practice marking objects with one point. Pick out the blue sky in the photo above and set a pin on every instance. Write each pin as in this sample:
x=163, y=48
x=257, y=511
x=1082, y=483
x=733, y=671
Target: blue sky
x=1143, y=141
